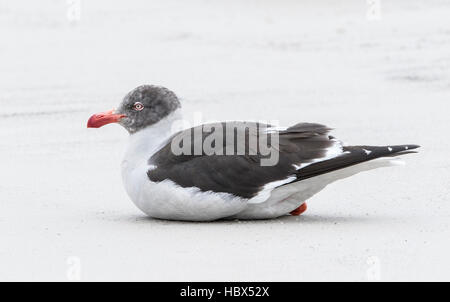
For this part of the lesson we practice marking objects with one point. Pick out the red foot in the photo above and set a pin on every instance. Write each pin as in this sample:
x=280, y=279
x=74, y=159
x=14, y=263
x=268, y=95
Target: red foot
x=301, y=209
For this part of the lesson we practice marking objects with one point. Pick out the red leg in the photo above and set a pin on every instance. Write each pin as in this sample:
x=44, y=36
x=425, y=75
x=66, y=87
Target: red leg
x=301, y=209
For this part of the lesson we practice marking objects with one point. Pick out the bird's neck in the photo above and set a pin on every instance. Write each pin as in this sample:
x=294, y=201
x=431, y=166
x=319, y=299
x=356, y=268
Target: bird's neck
x=144, y=143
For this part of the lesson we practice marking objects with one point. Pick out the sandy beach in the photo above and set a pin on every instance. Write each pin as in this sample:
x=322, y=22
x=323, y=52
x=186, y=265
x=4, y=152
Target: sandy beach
x=380, y=80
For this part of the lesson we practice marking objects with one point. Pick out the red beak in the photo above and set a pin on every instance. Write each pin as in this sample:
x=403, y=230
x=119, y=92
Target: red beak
x=103, y=118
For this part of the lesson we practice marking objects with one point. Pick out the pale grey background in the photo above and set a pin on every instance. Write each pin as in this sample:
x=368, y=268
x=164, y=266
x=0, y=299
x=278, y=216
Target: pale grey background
x=376, y=82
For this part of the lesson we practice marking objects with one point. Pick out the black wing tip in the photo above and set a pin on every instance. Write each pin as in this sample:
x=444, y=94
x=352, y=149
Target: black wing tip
x=412, y=147
x=383, y=149
x=354, y=155
x=405, y=148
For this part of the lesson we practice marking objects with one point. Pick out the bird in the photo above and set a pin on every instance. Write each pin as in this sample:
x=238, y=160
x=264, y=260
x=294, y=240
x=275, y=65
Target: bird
x=235, y=170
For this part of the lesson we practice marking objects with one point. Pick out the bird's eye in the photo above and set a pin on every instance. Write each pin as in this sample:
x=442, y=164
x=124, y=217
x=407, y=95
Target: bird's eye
x=138, y=106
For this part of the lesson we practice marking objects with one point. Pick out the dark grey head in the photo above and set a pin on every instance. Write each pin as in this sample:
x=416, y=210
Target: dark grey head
x=145, y=106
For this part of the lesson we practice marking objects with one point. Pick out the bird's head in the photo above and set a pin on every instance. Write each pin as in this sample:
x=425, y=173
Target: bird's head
x=140, y=108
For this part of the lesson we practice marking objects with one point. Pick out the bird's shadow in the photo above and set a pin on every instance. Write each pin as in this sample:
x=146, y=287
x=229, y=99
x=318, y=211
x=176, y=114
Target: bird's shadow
x=304, y=219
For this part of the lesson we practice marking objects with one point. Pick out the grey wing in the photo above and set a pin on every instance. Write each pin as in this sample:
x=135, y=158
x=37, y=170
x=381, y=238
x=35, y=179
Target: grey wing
x=241, y=174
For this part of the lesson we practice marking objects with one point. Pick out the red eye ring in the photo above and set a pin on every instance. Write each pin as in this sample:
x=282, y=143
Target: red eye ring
x=138, y=106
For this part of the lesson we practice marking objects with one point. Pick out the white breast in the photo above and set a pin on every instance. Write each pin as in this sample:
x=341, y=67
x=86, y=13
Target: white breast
x=166, y=199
